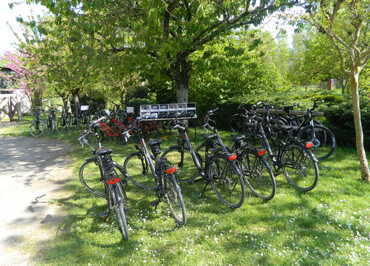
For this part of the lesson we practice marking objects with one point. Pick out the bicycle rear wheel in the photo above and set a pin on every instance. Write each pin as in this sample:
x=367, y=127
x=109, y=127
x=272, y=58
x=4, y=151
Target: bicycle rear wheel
x=258, y=174
x=323, y=139
x=300, y=168
x=139, y=172
x=174, y=199
x=182, y=159
x=90, y=175
x=118, y=199
x=226, y=182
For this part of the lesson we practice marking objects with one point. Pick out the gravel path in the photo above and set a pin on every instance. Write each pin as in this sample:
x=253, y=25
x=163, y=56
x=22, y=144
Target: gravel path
x=32, y=173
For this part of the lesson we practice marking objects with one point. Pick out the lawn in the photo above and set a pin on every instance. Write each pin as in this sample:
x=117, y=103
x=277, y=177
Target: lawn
x=327, y=226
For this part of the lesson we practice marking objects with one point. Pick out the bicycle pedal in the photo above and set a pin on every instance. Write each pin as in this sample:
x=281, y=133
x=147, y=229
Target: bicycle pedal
x=104, y=215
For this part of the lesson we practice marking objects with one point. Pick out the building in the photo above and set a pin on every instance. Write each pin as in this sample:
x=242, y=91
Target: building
x=12, y=100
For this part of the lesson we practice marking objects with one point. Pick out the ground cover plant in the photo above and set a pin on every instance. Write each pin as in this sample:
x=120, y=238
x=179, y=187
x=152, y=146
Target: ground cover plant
x=328, y=226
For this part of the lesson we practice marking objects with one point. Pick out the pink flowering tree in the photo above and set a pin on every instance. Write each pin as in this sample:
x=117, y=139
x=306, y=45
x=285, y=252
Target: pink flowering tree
x=17, y=79
x=21, y=76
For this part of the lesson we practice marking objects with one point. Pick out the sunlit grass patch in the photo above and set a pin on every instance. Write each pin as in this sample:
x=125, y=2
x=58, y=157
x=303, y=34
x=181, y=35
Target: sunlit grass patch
x=327, y=226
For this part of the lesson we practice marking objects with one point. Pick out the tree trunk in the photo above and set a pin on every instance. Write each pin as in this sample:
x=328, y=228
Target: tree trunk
x=365, y=174
x=12, y=108
x=65, y=104
x=37, y=98
x=181, y=74
x=76, y=110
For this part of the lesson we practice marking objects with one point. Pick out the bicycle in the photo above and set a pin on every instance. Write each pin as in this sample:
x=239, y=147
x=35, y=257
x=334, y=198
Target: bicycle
x=52, y=120
x=111, y=184
x=293, y=157
x=38, y=125
x=151, y=172
x=218, y=168
x=306, y=128
x=255, y=167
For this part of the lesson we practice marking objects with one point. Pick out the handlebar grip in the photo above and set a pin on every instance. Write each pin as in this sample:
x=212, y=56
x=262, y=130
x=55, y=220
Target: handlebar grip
x=212, y=111
x=97, y=121
x=177, y=126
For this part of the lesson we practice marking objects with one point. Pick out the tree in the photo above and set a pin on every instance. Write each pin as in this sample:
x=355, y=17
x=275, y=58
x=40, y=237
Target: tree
x=314, y=59
x=161, y=33
x=234, y=69
x=346, y=23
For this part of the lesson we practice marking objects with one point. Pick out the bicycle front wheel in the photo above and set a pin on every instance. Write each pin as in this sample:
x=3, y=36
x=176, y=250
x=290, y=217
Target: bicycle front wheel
x=300, y=168
x=139, y=172
x=174, y=199
x=258, y=174
x=226, y=182
x=118, y=199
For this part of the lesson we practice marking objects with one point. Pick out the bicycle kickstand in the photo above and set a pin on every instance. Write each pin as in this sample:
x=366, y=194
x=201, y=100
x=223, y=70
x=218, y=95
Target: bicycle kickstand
x=155, y=203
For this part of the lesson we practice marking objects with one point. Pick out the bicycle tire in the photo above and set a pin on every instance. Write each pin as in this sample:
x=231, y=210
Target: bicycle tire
x=258, y=174
x=174, y=199
x=90, y=175
x=34, y=131
x=324, y=141
x=138, y=171
x=217, y=165
x=186, y=168
x=300, y=167
x=118, y=199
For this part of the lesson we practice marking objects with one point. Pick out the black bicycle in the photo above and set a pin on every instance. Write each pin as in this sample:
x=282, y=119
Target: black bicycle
x=149, y=171
x=218, y=167
x=288, y=154
x=306, y=128
x=40, y=124
x=103, y=177
x=254, y=163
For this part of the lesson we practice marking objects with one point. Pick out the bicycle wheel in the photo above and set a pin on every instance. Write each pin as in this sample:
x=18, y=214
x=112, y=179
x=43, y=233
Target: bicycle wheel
x=226, y=182
x=139, y=172
x=174, y=199
x=37, y=130
x=118, y=199
x=300, y=168
x=182, y=159
x=258, y=174
x=323, y=139
x=90, y=175
x=54, y=128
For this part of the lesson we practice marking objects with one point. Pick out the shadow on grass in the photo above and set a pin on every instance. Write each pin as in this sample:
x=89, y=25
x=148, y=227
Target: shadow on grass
x=289, y=229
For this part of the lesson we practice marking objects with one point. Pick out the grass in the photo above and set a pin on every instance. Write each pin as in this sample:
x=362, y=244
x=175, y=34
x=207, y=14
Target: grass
x=327, y=226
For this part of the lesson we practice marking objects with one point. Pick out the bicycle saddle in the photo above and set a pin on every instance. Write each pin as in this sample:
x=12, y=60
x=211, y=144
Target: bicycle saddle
x=154, y=142
x=103, y=151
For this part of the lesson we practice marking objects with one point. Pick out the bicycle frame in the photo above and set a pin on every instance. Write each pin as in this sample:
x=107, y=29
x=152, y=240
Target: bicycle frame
x=143, y=148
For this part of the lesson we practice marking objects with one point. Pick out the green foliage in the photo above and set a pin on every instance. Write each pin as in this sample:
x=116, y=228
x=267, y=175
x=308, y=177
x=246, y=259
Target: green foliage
x=229, y=70
x=314, y=59
x=156, y=36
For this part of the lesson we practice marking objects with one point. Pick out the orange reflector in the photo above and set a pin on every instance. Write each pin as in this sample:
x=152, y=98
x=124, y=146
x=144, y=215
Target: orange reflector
x=232, y=157
x=170, y=170
x=261, y=152
x=309, y=145
x=113, y=181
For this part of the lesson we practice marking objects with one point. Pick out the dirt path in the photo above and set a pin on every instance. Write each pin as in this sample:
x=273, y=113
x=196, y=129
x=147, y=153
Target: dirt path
x=32, y=174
